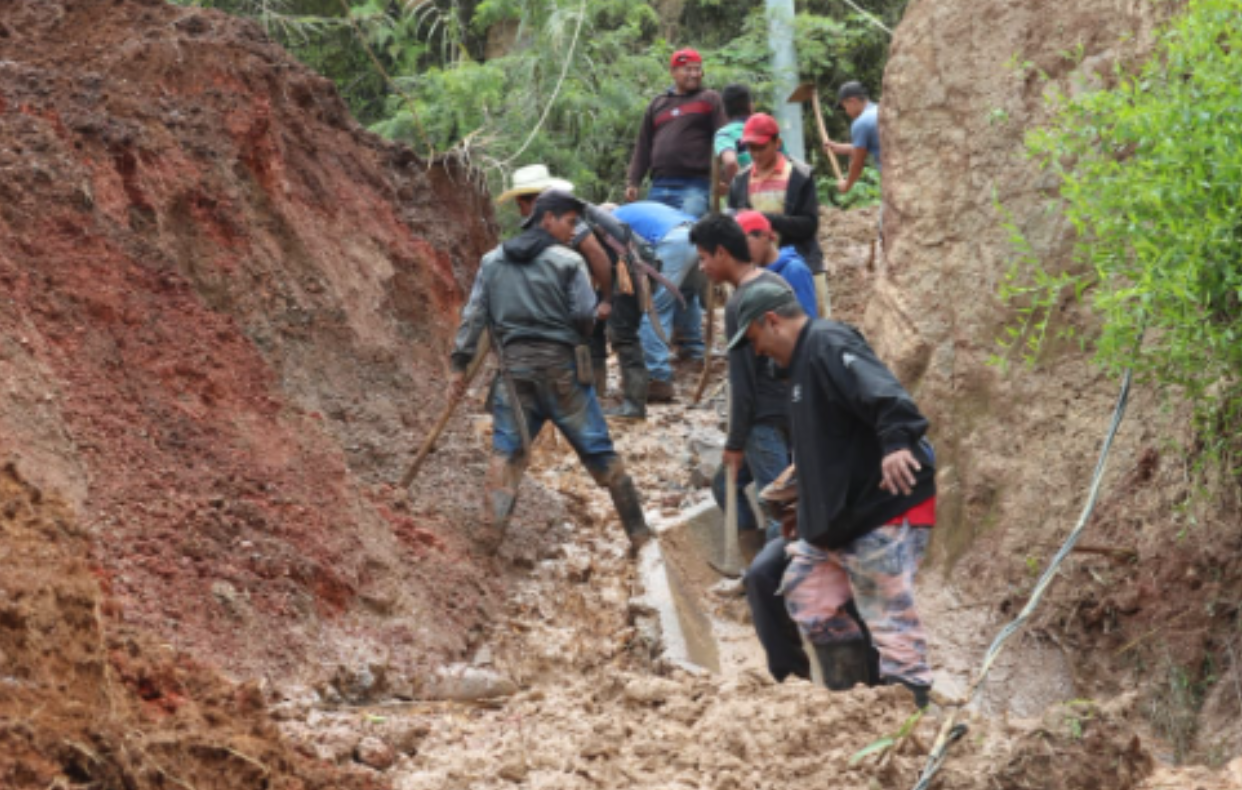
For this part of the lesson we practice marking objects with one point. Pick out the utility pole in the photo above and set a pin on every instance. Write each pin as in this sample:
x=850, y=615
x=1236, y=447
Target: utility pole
x=785, y=75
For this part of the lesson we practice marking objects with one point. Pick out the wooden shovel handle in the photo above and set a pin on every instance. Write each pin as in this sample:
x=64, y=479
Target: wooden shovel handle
x=430, y=443
x=823, y=134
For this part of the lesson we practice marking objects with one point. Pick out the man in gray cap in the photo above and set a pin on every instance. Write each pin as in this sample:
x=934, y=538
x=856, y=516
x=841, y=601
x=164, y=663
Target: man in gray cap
x=864, y=517
x=533, y=293
x=864, y=132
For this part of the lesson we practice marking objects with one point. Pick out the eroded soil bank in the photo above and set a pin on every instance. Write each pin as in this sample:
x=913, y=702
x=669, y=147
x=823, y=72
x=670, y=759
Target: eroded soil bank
x=225, y=310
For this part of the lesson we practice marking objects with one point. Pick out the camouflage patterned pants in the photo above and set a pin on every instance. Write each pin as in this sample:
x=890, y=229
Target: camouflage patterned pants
x=877, y=571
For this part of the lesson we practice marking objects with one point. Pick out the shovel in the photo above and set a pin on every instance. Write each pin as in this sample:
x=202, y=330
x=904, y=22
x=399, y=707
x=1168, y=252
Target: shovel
x=430, y=443
x=731, y=564
x=807, y=92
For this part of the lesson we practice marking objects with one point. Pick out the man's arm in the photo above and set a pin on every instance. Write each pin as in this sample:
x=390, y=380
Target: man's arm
x=857, y=159
x=640, y=162
x=466, y=341
x=874, y=395
x=728, y=169
x=737, y=191
x=840, y=149
x=720, y=118
x=581, y=298
x=601, y=269
x=742, y=387
x=724, y=147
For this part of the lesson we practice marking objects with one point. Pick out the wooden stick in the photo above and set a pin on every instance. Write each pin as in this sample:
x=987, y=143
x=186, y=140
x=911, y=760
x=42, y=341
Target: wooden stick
x=710, y=307
x=823, y=133
x=429, y=444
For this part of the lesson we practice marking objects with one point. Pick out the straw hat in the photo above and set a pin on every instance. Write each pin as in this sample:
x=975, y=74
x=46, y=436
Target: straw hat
x=533, y=179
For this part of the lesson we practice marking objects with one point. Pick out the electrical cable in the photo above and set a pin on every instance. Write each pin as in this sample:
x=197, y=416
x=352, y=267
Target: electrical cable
x=556, y=92
x=868, y=15
x=951, y=731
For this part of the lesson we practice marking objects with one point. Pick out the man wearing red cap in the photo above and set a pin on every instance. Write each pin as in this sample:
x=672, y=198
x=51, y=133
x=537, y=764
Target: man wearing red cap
x=674, y=142
x=784, y=192
x=767, y=253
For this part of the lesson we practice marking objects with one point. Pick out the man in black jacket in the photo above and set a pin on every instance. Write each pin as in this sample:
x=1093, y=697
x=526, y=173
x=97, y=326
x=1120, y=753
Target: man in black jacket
x=866, y=492
x=783, y=190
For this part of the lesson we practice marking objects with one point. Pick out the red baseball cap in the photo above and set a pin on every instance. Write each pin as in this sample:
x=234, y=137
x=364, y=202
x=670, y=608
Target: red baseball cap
x=752, y=221
x=683, y=56
x=760, y=128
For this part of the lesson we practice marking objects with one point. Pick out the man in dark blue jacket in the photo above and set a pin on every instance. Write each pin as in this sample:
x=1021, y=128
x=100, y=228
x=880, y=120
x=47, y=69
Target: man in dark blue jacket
x=866, y=492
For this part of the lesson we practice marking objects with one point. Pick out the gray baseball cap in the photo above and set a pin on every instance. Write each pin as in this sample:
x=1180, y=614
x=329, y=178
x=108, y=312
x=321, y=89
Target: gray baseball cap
x=851, y=90
x=756, y=301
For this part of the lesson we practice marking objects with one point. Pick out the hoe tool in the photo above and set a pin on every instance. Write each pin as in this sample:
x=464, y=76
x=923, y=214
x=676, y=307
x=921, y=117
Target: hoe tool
x=807, y=92
x=429, y=443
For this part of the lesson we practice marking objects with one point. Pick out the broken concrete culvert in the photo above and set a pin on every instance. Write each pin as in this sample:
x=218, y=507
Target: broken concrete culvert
x=224, y=314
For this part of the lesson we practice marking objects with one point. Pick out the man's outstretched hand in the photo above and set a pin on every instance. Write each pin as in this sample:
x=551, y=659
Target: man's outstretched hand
x=898, y=470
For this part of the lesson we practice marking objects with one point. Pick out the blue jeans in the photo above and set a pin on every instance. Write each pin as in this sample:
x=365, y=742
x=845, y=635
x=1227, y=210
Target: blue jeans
x=684, y=194
x=767, y=455
x=554, y=394
x=678, y=257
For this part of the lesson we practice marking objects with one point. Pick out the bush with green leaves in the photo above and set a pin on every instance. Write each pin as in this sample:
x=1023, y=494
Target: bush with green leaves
x=482, y=75
x=1150, y=177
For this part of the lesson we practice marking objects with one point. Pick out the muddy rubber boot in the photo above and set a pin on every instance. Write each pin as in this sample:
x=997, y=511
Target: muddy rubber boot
x=843, y=664
x=500, y=498
x=660, y=391
x=921, y=693
x=630, y=509
x=634, y=388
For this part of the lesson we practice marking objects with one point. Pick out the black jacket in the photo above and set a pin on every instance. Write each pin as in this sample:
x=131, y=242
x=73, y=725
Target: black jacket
x=847, y=411
x=800, y=222
x=757, y=393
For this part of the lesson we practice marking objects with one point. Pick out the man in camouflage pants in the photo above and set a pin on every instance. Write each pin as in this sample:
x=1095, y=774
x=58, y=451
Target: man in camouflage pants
x=866, y=494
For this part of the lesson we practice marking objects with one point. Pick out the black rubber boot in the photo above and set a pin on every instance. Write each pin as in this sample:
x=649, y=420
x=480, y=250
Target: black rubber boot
x=634, y=388
x=630, y=509
x=843, y=664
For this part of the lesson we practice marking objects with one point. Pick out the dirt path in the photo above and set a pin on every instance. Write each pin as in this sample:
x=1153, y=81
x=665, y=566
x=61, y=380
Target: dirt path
x=604, y=699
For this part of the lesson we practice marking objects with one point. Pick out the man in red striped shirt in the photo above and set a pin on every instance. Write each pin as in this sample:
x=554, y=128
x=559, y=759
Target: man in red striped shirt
x=675, y=139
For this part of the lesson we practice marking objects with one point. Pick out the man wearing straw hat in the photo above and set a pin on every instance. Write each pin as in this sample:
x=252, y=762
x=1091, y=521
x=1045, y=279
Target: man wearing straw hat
x=621, y=311
x=533, y=295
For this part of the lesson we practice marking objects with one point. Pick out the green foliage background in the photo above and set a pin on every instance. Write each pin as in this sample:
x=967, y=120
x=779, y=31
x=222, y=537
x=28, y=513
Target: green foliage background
x=1151, y=177
x=478, y=74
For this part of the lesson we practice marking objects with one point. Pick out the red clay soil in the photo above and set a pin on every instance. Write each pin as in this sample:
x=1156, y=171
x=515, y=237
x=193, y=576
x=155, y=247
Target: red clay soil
x=87, y=702
x=224, y=311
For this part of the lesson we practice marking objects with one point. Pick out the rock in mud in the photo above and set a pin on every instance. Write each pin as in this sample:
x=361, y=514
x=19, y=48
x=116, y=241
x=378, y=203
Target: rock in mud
x=375, y=753
x=651, y=691
x=464, y=683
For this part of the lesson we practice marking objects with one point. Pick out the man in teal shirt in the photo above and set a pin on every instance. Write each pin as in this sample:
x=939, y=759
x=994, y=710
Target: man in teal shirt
x=739, y=106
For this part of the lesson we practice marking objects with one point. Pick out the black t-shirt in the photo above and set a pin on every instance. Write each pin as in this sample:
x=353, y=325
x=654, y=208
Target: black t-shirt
x=760, y=394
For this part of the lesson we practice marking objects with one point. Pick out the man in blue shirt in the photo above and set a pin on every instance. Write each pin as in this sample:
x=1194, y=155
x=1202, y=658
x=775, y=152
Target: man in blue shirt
x=766, y=252
x=668, y=230
x=864, y=132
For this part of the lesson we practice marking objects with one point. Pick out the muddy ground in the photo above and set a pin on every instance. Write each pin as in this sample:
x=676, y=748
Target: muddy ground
x=225, y=311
